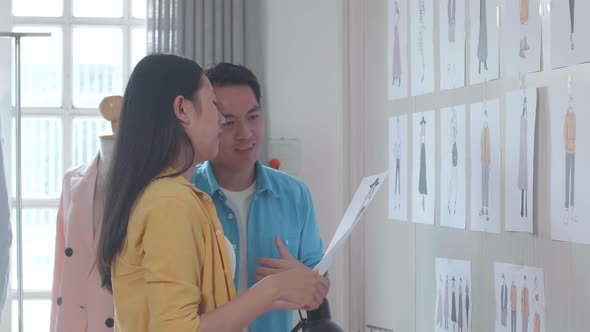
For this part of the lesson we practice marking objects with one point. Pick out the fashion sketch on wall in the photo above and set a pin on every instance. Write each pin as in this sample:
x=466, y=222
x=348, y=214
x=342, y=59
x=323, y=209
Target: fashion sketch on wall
x=485, y=166
x=570, y=206
x=484, y=60
x=397, y=41
x=452, y=43
x=398, y=166
x=423, y=185
x=453, y=300
x=422, y=46
x=522, y=49
x=452, y=166
x=520, y=298
x=519, y=124
x=569, y=46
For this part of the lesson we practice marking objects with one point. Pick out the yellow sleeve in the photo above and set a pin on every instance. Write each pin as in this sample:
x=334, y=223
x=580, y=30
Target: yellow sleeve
x=173, y=250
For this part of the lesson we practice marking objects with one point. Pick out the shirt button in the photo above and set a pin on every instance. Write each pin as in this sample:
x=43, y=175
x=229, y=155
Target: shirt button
x=234, y=246
x=218, y=232
x=230, y=216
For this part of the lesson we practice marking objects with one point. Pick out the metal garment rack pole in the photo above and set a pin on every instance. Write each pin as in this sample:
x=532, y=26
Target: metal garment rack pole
x=19, y=196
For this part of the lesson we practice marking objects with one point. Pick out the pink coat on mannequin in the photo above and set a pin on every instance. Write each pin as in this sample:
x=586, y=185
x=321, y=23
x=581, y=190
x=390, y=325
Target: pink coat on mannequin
x=79, y=303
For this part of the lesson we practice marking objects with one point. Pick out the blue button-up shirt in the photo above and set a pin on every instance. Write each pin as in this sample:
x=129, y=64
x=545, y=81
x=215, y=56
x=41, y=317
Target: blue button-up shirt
x=281, y=205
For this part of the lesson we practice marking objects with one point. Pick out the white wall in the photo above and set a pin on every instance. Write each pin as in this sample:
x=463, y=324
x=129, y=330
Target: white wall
x=301, y=62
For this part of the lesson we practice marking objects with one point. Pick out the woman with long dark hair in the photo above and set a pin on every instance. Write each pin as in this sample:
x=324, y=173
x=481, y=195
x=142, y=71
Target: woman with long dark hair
x=162, y=251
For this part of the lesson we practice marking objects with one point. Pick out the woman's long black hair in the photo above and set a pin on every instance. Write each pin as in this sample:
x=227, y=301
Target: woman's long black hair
x=149, y=139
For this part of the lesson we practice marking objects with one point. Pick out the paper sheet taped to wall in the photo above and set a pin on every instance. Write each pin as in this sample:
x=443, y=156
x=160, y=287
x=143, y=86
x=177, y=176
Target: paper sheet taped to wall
x=363, y=196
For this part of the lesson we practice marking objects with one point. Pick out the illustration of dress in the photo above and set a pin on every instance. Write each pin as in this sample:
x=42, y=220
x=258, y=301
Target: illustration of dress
x=396, y=68
x=422, y=29
x=572, y=16
x=513, y=307
x=439, y=317
x=422, y=183
x=486, y=160
x=523, y=166
x=525, y=308
x=482, y=43
x=397, y=153
x=524, y=19
x=452, y=199
x=537, y=320
x=368, y=197
x=446, y=304
x=467, y=307
x=569, y=137
x=451, y=19
x=504, y=304
x=453, y=304
x=460, y=316
x=524, y=11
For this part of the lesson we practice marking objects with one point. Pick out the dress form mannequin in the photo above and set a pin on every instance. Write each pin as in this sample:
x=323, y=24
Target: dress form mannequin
x=110, y=109
x=79, y=303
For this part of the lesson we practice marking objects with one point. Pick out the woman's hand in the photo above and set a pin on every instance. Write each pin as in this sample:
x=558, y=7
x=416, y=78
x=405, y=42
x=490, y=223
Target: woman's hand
x=299, y=288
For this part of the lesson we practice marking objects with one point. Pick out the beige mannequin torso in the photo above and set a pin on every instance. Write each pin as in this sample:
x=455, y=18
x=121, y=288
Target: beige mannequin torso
x=104, y=161
x=110, y=108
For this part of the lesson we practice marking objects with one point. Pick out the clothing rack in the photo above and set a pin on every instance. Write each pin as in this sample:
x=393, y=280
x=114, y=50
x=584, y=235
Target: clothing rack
x=18, y=115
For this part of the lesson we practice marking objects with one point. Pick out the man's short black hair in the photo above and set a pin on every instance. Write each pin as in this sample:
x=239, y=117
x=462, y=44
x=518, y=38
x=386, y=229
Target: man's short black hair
x=225, y=73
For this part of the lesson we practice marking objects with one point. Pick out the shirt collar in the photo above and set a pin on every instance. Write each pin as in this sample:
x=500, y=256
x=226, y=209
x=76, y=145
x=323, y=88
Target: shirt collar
x=263, y=182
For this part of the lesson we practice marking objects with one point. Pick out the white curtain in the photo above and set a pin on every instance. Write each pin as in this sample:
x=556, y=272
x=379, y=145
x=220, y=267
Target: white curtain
x=5, y=232
x=207, y=31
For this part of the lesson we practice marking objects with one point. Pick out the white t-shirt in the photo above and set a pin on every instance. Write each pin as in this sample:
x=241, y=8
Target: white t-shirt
x=240, y=203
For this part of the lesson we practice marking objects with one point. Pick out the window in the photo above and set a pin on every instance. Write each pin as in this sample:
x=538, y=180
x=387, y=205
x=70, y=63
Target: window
x=93, y=48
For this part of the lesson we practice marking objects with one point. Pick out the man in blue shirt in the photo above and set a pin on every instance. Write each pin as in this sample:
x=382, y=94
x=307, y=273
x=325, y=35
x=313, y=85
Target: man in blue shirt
x=267, y=215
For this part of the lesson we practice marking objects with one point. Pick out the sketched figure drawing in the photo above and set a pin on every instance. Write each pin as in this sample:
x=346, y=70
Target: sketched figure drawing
x=482, y=43
x=396, y=67
x=422, y=182
x=421, y=30
x=569, y=138
x=452, y=199
x=368, y=197
x=572, y=16
x=523, y=166
x=397, y=154
x=486, y=160
x=524, y=21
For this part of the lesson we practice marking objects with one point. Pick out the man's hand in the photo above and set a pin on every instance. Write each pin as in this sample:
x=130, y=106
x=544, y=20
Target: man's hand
x=270, y=266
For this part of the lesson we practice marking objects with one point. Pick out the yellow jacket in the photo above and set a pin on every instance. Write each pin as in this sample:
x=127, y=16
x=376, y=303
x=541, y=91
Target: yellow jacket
x=569, y=132
x=486, y=154
x=174, y=265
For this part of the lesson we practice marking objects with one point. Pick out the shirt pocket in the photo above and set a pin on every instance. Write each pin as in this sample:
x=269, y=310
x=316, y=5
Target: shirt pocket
x=290, y=240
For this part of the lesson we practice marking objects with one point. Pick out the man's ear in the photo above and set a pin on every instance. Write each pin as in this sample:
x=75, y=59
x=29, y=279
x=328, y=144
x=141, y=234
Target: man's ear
x=179, y=110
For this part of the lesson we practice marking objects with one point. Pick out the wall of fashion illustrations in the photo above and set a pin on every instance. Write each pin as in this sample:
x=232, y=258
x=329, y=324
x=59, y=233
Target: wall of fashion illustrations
x=493, y=162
